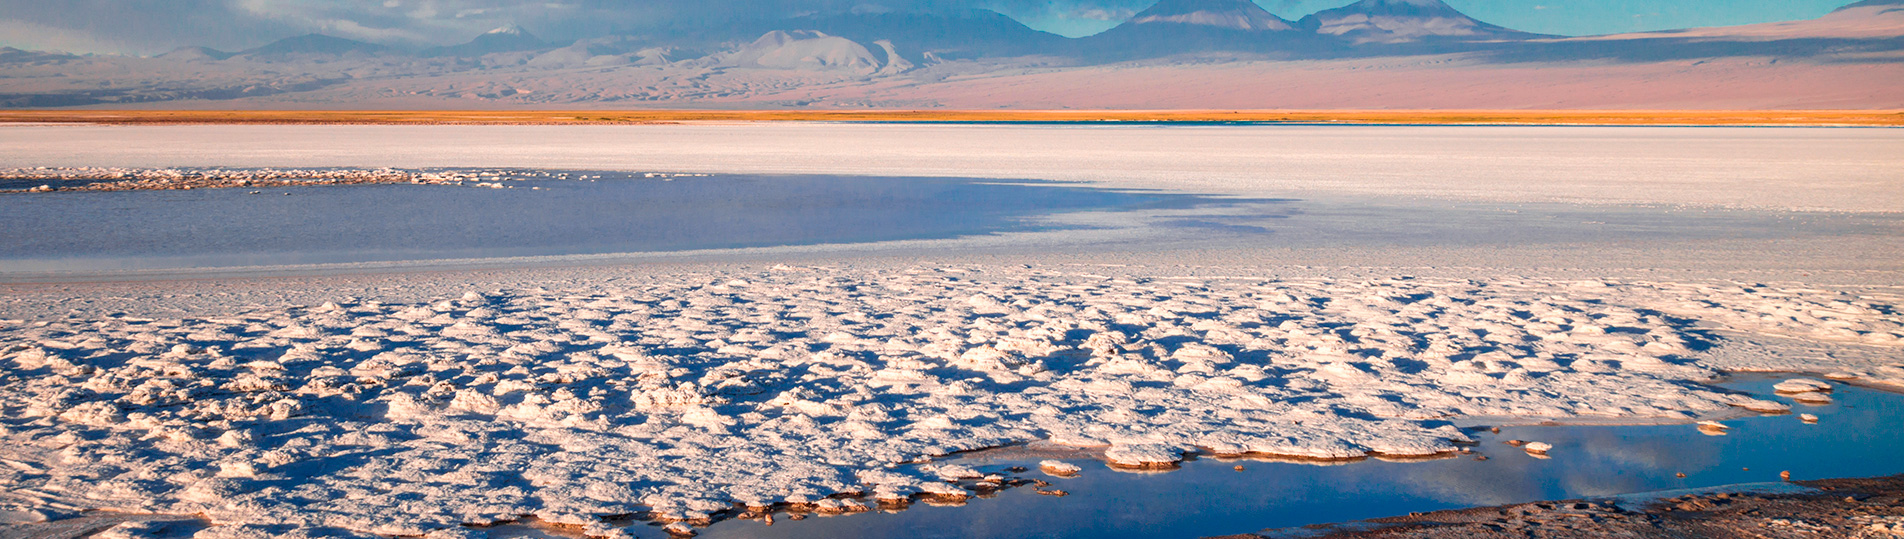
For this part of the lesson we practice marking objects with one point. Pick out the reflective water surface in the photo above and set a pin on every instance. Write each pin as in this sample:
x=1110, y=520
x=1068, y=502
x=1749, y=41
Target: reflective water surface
x=1856, y=436
x=79, y=231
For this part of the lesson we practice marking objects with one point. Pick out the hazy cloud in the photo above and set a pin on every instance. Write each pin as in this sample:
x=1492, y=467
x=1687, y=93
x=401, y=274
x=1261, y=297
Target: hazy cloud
x=1103, y=14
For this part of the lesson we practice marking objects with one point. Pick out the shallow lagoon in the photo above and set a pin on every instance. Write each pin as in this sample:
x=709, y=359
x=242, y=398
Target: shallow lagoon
x=1856, y=437
x=345, y=224
x=77, y=233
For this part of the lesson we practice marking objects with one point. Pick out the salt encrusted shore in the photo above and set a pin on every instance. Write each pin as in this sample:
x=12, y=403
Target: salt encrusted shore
x=150, y=179
x=694, y=396
x=1870, y=508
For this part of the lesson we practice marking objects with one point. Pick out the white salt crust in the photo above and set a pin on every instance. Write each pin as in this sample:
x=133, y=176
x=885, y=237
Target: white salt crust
x=1801, y=385
x=687, y=395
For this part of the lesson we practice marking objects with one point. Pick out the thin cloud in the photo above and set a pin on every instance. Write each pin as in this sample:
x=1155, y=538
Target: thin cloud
x=1103, y=14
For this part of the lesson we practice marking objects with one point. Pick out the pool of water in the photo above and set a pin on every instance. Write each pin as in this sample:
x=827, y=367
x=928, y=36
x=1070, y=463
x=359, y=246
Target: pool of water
x=80, y=231
x=84, y=233
x=1856, y=436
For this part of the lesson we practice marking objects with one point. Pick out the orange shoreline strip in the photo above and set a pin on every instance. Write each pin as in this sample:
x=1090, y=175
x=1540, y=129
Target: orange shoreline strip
x=537, y=117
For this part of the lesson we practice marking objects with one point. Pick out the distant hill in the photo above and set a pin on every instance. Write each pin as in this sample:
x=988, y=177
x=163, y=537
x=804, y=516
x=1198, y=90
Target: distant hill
x=808, y=50
x=315, y=44
x=1872, y=30
x=196, y=54
x=1173, y=27
x=10, y=55
x=609, y=51
x=923, y=37
x=510, y=38
x=1404, y=21
x=1241, y=15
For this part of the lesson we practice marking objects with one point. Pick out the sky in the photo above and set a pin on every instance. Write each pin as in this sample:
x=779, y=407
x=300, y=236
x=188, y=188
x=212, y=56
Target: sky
x=146, y=27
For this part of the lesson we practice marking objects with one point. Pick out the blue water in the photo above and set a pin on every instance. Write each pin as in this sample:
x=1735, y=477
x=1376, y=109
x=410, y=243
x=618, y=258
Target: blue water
x=1856, y=437
x=79, y=231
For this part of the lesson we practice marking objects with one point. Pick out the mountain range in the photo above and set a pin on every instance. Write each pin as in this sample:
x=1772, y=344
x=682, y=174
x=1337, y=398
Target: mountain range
x=1174, y=54
x=1405, y=21
x=1167, y=28
x=510, y=38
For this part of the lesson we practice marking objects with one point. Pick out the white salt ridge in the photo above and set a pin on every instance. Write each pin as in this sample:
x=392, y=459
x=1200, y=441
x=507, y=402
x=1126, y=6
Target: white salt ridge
x=1801, y=385
x=685, y=395
x=1059, y=468
x=1812, y=398
x=1143, y=456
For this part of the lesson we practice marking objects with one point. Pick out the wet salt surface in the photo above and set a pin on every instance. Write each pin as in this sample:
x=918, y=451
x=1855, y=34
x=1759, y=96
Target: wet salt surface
x=1856, y=436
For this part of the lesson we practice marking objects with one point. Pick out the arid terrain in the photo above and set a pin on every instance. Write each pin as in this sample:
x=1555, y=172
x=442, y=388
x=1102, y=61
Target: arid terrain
x=554, y=117
x=1836, y=508
x=1174, y=57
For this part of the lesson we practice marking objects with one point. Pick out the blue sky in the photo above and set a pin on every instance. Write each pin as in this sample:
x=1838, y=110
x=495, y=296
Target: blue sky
x=154, y=26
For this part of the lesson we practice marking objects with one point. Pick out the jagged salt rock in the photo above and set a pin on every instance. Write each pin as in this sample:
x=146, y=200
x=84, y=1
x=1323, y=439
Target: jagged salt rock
x=1761, y=406
x=1143, y=456
x=1059, y=468
x=953, y=472
x=1801, y=385
x=1713, y=428
x=944, y=492
x=1812, y=398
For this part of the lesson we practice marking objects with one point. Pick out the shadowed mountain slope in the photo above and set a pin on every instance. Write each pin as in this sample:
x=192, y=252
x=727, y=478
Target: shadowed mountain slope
x=1177, y=27
x=1404, y=21
x=315, y=44
x=196, y=54
x=10, y=55
x=807, y=50
x=1869, y=31
x=510, y=38
x=927, y=37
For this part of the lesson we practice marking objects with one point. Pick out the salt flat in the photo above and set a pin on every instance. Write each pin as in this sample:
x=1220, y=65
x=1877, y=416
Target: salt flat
x=1822, y=169
x=701, y=388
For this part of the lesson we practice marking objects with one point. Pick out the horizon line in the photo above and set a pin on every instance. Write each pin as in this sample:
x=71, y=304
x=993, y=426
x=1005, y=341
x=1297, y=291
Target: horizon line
x=1478, y=117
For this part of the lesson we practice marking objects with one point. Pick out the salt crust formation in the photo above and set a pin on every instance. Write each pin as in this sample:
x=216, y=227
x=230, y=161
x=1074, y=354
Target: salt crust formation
x=682, y=398
x=134, y=179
